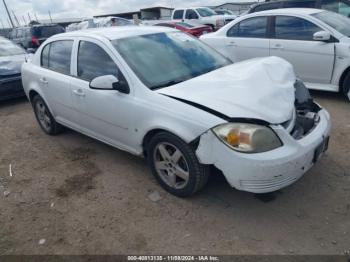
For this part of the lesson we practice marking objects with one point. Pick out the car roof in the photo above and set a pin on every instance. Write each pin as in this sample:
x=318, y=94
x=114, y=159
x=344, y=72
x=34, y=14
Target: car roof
x=118, y=32
x=291, y=11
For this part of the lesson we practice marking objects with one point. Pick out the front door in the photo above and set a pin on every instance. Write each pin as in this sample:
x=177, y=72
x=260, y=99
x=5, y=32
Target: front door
x=312, y=60
x=104, y=114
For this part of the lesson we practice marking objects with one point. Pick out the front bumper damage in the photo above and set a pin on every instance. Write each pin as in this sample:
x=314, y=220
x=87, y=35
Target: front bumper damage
x=273, y=170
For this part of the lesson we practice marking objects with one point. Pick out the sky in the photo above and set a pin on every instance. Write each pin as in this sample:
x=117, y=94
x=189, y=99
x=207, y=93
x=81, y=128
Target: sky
x=86, y=8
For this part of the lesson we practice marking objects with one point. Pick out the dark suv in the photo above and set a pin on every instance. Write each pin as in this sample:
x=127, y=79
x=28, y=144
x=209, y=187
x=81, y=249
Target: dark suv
x=339, y=6
x=33, y=36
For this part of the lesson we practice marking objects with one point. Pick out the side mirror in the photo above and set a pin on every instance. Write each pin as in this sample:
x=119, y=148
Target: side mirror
x=322, y=36
x=109, y=82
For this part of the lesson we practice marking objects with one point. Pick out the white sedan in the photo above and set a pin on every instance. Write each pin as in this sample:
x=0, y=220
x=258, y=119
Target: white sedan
x=315, y=42
x=164, y=95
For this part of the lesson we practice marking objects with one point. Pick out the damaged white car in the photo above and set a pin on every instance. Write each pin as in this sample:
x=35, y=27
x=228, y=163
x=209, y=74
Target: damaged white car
x=162, y=94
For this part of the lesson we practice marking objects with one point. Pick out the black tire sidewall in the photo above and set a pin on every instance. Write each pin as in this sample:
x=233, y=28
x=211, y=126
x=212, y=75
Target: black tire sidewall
x=195, y=168
x=346, y=85
x=37, y=99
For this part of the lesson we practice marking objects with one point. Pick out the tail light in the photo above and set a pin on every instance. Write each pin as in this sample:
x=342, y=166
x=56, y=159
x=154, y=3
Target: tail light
x=35, y=41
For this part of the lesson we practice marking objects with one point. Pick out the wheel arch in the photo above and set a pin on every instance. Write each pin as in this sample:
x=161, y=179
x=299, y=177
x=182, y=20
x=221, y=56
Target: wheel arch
x=151, y=133
x=342, y=79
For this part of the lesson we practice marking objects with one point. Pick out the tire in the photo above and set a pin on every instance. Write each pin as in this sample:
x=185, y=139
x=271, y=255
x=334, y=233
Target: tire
x=175, y=165
x=346, y=85
x=45, y=118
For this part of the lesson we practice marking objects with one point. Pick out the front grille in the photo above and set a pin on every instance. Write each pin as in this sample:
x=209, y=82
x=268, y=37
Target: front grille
x=267, y=184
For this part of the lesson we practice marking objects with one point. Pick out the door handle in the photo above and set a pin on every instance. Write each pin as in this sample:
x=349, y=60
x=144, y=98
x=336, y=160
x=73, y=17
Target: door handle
x=278, y=46
x=232, y=43
x=43, y=80
x=79, y=92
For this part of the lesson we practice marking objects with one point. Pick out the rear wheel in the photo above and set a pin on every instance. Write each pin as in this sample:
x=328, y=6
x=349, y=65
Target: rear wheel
x=346, y=85
x=44, y=117
x=175, y=165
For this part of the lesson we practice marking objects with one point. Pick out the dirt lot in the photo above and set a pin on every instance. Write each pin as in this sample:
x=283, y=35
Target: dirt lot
x=75, y=195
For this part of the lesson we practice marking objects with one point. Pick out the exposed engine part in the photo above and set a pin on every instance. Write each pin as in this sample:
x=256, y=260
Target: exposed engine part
x=306, y=111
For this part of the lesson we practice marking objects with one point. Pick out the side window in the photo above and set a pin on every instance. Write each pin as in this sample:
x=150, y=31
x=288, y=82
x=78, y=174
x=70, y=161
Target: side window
x=57, y=56
x=191, y=14
x=45, y=56
x=178, y=14
x=93, y=61
x=294, y=28
x=250, y=28
x=233, y=32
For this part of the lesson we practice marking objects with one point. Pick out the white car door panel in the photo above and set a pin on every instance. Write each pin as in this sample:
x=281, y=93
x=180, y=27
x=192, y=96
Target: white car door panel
x=313, y=61
x=101, y=113
x=54, y=78
x=247, y=48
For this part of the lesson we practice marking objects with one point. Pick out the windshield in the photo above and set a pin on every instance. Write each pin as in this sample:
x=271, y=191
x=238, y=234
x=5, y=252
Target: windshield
x=165, y=59
x=338, y=22
x=205, y=12
x=7, y=48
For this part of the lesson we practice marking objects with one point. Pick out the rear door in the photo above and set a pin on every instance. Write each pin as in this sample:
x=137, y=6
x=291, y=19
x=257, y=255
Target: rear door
x=293, y=40
x=248, y=39
x=54, y=77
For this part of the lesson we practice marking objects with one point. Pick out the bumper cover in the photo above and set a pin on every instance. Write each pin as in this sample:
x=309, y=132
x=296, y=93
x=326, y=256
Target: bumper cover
x=11, y=87
x=268, y=171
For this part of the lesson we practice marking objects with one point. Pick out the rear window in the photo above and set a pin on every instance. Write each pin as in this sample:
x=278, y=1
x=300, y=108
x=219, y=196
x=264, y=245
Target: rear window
x=187, y=25
x=47, y=31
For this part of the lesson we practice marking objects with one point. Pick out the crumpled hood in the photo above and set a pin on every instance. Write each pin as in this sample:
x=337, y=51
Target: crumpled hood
x=10, y=65
x=261, y=88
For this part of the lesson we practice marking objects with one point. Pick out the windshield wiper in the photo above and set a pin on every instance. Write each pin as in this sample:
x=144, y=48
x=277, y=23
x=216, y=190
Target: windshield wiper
x=166, y=84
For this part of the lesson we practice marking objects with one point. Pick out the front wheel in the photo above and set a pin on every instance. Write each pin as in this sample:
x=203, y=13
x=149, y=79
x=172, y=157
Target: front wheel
x=175, y=165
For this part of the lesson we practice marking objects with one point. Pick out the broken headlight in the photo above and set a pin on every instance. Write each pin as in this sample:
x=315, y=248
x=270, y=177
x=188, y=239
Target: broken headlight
x=247, y=138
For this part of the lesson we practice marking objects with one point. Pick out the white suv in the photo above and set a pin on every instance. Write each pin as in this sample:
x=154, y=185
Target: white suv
x=202, y=15
x=315, y=42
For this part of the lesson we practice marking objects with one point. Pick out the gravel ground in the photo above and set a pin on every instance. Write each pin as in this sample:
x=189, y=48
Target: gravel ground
x=73, y=195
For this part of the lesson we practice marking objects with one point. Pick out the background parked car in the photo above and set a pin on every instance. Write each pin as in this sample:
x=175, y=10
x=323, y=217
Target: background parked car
x=195, y=30
x=202, y=15
x=99, y=22
x=11, y=58
x=339, y=6
x=33, y=36
x=315, y=42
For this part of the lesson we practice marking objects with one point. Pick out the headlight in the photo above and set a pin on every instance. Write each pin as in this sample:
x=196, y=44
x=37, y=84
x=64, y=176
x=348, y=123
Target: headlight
x=247, y=138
